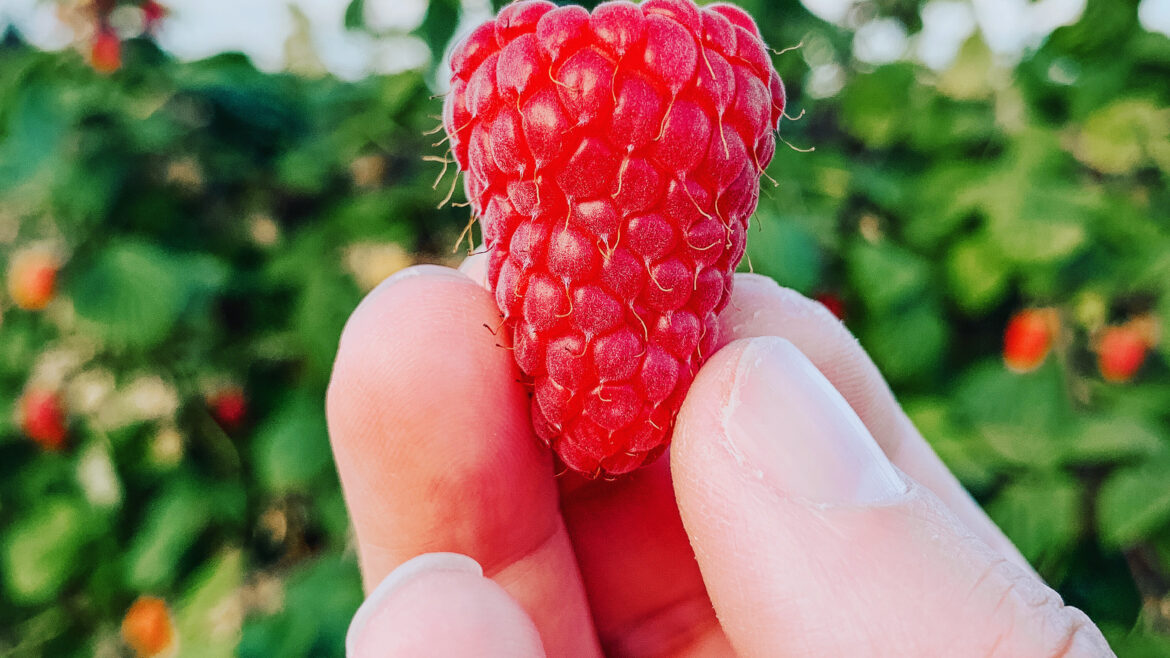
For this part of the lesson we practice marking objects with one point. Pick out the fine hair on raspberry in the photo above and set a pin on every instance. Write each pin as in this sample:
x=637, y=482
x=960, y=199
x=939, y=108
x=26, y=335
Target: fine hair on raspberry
x=613, y=160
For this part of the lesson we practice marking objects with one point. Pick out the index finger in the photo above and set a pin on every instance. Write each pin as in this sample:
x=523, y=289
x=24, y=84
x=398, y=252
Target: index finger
x=434, y=445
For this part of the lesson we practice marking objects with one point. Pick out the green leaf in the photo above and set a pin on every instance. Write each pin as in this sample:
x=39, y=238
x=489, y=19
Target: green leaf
x=786, y=251
x=291, y=449
x=885, y=186
x=962, y=450
x=35, y=132
x=874, y=105
x=944, y=197
x=355, y=18
x=977, y=275
x=1109, y=439
x=1023, y=417
x=968, y=77
x=202, y=277
x=1045, y=539
x=1134, y=503
x=886, y=275
x=308, y=168
x=1034, y=221
x=1123, y=136
x=1138, y=642
x=319, y=601
x=1163, y=312
x=132, y=295
x=198, y=615
x=174, y=520
x=325, y=303
x=908, y=343
x=43, y=550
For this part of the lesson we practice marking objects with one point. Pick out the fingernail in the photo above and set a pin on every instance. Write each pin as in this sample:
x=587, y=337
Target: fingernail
x=789, y=426
x=412, y=568
x=420, y=270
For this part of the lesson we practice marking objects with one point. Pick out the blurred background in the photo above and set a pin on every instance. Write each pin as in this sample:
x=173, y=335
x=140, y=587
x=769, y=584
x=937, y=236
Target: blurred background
x=195, y=194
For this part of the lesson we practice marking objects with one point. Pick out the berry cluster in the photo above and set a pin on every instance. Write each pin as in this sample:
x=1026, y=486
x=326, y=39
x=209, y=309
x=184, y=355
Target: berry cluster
x=1120, y=349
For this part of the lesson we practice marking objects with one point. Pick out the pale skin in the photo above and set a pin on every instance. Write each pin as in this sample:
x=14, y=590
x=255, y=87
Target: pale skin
x=798, y=512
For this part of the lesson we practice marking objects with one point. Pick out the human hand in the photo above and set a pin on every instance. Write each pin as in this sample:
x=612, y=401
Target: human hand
x=798, y=513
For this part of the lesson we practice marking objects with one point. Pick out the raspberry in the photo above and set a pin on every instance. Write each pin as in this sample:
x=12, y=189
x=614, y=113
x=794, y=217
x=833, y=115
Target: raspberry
x=147, y=627
x=42, y=417
x=1028, y=338
x=229, y=407
x=106, y=53
x=613, y=160
x=152, y=15
x=833, y=302
x=1120, y=352
x=32, y=278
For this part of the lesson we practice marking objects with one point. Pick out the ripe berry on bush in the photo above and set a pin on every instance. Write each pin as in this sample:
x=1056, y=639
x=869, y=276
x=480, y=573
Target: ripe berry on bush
x=834, y=303
x=1120, y=352
x=152, y=14
x=32, y=278
x=147, y=627
x=1028, y=338
x=42, y=418
x=613, y=159
x=229, y=407
x=106, y=52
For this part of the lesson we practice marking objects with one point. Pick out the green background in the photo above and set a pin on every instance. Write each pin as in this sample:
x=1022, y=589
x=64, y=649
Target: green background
x=220, y=224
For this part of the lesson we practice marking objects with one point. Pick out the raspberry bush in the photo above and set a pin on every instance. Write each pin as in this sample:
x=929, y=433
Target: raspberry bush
x=209, y=227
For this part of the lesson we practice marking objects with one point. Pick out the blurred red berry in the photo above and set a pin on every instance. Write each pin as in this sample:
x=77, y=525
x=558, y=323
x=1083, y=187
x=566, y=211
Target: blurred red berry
x=152, y=13
x=32, y=278
x=147, y=626
x=1120, y=352
x=834, y=303
x=1028, y=338
x=229, y=407
x=42, y=417
x=106, y=55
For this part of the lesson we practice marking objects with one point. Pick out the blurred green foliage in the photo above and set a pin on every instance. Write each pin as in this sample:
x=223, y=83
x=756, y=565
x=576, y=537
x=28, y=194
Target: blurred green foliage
x=217, y=225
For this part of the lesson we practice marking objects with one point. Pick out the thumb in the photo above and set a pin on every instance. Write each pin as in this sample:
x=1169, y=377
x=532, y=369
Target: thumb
x=811, y=543
x=440, y=604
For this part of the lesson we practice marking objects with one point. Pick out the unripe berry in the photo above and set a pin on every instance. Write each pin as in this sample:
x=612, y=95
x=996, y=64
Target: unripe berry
x=1028, y=338
x=1120, y=352
x=147, y=627
x=32, y=278
x=42, y=417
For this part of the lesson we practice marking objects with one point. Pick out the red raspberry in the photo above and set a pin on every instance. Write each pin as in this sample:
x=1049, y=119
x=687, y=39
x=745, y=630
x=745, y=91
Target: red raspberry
x=42, y=417
x=614, y=160
x=833, y=302
x=1120, y=352
x=229, y=407
x=106, y=53
x=1028, y=338
x=152, y=14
